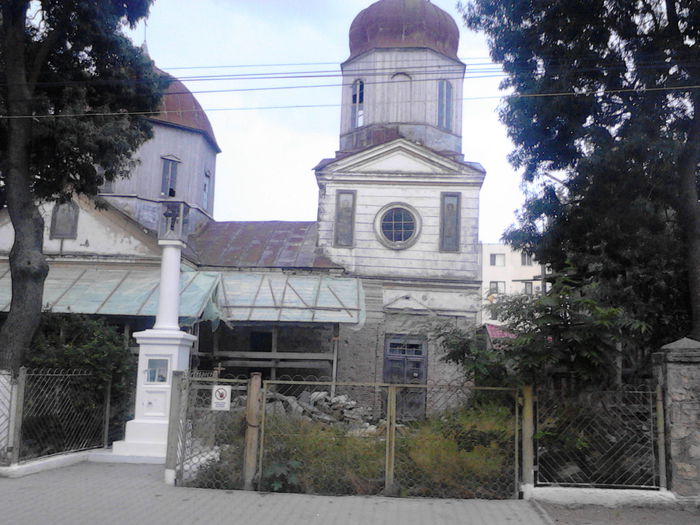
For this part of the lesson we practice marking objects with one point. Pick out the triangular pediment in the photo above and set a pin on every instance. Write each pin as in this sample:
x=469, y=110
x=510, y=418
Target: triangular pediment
x=401, y=157
x=406, y=302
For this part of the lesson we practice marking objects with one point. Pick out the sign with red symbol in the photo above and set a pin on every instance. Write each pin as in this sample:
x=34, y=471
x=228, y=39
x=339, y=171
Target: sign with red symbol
x=221, y=397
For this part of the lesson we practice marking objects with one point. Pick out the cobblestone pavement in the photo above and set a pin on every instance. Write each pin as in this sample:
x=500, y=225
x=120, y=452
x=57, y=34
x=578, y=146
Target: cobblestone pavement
x=106, y=494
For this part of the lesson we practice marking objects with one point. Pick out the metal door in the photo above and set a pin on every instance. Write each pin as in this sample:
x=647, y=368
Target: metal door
x=405, y=363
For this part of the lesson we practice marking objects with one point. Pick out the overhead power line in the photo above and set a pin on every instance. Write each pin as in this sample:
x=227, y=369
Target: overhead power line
x=310, y=106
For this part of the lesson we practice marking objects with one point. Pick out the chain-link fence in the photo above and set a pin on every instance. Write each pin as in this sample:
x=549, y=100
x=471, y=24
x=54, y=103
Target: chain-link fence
x=454, y=441
x=5, y=415
x=597, y=439
x=211, y=443
x=59, y=411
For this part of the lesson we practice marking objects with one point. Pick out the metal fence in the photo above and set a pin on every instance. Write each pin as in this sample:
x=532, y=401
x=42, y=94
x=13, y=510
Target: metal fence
x=58, y=411
x=319, y=437
x=445, y=441
x=6, y=387
x=605, y=439
x=211, y=443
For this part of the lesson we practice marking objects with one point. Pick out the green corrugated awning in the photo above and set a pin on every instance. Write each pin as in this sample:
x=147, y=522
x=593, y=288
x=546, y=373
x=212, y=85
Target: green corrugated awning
x=281, y=297
x=115, y=291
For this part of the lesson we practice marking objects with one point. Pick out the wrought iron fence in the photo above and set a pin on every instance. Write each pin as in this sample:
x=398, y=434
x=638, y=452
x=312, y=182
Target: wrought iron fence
x=6, y=385
x=606, y=439
x=58, y=411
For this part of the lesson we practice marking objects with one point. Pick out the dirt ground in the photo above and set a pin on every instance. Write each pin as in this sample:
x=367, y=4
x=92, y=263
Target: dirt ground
x=595, y=515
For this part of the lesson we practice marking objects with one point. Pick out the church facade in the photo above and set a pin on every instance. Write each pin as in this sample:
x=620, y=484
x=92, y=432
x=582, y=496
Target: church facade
x=353, y=296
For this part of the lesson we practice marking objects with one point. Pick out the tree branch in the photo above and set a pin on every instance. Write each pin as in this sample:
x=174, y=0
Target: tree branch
x=40, y=59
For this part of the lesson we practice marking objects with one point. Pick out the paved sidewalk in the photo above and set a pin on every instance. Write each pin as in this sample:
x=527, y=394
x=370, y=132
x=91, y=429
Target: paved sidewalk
x=106, y=494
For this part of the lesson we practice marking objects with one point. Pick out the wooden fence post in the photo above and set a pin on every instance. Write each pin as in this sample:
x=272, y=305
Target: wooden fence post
x=17, y=415
x=174, y=416
x=389, y=488
x=528, y=437
x=252, y=416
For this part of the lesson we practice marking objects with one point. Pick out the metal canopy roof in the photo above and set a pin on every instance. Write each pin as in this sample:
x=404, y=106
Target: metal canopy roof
x=228, y=296
x=110, y=291
x=251, y=296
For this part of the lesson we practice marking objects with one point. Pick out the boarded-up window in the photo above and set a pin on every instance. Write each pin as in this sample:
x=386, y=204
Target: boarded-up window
x=344, y=218
x=449, y=221
x=64, y=221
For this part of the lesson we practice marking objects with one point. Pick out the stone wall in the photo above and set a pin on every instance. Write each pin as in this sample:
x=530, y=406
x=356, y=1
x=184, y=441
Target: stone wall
x=680, y=375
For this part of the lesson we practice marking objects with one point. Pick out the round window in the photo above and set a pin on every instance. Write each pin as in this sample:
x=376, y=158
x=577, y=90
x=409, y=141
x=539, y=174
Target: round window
x=397, y=226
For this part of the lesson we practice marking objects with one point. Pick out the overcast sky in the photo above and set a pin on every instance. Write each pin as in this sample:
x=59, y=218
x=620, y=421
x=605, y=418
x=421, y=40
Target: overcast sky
x=265, y=169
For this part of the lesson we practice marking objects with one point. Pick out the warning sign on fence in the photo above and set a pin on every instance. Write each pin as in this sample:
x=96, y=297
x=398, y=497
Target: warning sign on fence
x=221, y=397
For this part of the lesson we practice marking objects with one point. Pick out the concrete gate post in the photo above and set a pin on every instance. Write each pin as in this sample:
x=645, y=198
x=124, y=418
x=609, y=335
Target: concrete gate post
x=678, y=365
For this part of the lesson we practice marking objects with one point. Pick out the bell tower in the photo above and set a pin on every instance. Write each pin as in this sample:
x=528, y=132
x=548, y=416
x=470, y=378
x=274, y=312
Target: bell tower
x=403, y=78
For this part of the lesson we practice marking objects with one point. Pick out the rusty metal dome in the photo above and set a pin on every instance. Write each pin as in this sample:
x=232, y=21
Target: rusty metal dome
x=180, y=108
x=404, y=23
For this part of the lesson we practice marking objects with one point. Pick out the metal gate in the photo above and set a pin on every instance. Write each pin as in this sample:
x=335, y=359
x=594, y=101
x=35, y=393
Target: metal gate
x=210, y=443
x=601, y=439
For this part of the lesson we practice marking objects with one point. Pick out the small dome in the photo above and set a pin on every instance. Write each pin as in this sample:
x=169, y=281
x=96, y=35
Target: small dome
x=404, y=23
x=180, y=108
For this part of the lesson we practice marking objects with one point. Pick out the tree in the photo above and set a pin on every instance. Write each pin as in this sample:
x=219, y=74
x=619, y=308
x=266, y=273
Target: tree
x=73, y=95
x=607, y=100
x=567, y=331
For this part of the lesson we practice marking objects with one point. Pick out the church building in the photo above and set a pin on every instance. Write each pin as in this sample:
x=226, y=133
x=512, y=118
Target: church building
x=353, y=296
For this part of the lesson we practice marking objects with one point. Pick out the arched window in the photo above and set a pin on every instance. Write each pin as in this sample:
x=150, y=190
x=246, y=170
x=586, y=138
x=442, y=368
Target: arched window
x=444, y=104
x=400, y=108
x=357, y=114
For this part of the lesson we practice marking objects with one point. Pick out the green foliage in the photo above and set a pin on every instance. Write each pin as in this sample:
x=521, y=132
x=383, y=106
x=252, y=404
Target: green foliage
x=464, y=453
x=621, y=141
x=68, y=341
x=567, y=331
x=315, y=458
x=77, y=341
x=79, y=61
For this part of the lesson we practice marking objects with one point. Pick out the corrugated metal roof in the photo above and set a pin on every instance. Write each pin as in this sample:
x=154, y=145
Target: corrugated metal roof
x=249, y=296
x=269, y=244
x=114, y=291
x=230, y=296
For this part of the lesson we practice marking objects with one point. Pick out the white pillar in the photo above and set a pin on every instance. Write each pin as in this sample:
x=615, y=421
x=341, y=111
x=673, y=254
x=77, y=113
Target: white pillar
x=162, y=350
x=169, y=293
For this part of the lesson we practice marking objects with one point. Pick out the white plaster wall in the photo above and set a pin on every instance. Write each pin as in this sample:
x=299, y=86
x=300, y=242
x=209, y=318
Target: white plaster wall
x=100, y=232
x=425, y=67
x=422, y=260
x=196, y=155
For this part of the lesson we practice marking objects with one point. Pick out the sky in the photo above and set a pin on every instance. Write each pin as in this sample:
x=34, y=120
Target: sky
x=265, y=169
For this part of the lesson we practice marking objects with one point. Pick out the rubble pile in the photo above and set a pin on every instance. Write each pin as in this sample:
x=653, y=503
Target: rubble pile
x=322, y=407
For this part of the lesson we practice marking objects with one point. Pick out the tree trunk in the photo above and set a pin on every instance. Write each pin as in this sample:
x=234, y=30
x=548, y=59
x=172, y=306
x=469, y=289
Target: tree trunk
x=690, y=213
x=28, y=266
